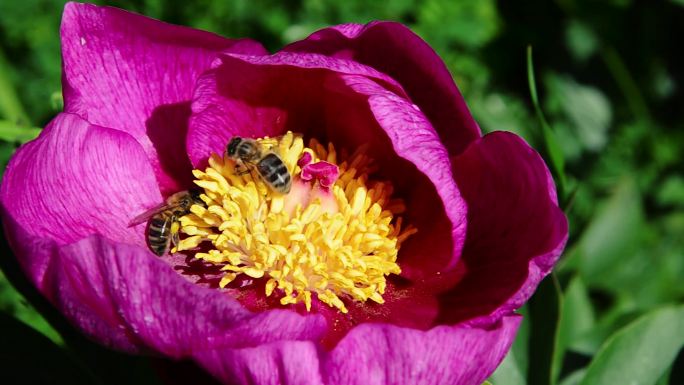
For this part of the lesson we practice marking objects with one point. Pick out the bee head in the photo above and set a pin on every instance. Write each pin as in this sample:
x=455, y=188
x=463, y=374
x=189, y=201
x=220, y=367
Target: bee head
x=231, y=149
x=195, y=195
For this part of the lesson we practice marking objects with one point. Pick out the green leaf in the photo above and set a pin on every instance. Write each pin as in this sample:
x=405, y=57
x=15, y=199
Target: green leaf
x=587, y=109
x=13, y=303
x=470, y=23
x=552, y=148
x=574, y=378
x=671, y=192
x=545, y=309
x=577, y=318
x=10, y=106
x=521, y=345
x=610, y=321
x=630, y=88
x=13, y=133
x=612, y=236
x=499, y=111
x=665, y=378
x=508, y=372
x=581, y=40
x=6, y=151
x=57, y=101
x=513, y=369
x=641, y=352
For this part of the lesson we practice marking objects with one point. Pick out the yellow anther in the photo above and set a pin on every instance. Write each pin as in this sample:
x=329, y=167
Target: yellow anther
x=190, y=243
x=253, y=272
x=270, y=286
x=226, y=279
x=335, y=247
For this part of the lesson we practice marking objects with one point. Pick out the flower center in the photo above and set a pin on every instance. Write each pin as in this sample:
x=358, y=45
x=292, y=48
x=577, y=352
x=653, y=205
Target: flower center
x=333, y=234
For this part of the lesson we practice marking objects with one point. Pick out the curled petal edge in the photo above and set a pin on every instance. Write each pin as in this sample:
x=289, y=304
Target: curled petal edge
x=372, y=353
x=512, y=212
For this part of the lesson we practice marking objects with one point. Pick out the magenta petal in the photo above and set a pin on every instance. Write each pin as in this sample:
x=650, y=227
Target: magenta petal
x=314, y=61
x=372, y=354
x=384, y=354
x=255, y=96
x=283, y=363
x=516, y=232
x=136, y=74
x=108, y=289
x=397, y=51
x=414, y=139
x=78, y=179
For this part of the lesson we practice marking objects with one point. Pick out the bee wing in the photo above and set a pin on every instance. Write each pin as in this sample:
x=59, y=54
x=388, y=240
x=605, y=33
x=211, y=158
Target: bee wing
x=148, y=214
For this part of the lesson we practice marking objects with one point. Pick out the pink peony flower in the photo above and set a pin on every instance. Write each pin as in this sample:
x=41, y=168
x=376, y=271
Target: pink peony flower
x=146, y=102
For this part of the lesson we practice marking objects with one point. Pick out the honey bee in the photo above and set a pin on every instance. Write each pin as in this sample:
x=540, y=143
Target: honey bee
x=269, y=166
x=163, y=220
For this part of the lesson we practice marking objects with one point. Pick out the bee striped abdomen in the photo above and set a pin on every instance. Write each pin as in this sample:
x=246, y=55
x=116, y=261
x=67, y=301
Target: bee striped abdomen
x=158, y=234
x=274, y=172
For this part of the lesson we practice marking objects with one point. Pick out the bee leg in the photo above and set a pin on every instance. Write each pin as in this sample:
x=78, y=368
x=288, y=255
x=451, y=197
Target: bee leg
x=175, y=233
x=253, y=170
x=240, y=171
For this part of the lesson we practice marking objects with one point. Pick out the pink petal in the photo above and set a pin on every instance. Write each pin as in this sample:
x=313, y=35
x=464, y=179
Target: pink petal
x=78, y=179
x=112, y=290
x=136, y=74
x=372, y=354
x=414, y=139
x=384, y=354
x=74, y=180
x=393, y=49
x=245, y=95
x=516, y=232
x=283, y=363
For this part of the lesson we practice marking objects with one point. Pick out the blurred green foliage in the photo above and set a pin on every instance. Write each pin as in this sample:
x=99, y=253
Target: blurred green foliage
x=609, y=85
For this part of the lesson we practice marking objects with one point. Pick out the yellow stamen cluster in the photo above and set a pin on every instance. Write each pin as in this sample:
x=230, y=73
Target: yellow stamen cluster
x=338, y=243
